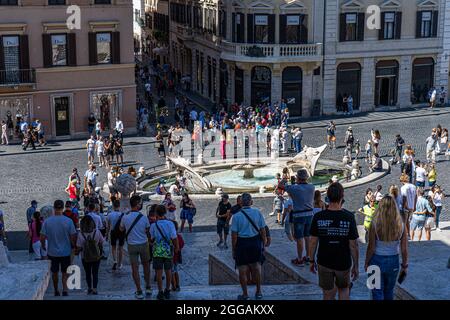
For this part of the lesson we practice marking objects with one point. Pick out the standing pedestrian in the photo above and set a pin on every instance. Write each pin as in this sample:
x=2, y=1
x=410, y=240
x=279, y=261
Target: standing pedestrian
x=431, y=147
x=90, y=244
x=187, y=212
x=165, y=244
x=34, y=232
x=4, y=138
x=331, y=135
x=91, y=123
x=419, y=216
x=387, y=238
x=248, y=241
x=116, y=236
x=90, y=147
x=136, y=228
x=60, y=234
x=223, y=213
x=298, y=136
x=302, y=195
x=335, y=233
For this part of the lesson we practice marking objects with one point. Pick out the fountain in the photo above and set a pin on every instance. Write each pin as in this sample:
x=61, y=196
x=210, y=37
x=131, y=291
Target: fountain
x=249, y=169
x=256, y=175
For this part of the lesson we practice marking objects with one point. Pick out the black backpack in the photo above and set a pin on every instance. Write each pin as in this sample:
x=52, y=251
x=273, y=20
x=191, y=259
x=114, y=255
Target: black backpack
x=116, y=230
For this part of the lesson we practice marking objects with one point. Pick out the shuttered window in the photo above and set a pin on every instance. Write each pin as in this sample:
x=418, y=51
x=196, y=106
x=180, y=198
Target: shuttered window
x=352, y=27
x=104, y=48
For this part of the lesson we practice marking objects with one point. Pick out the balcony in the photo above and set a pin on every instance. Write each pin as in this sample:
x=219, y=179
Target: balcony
x=271, y=53
x=18, y=77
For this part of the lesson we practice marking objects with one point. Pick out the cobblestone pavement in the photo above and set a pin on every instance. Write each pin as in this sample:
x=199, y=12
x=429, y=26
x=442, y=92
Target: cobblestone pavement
x=43, y=176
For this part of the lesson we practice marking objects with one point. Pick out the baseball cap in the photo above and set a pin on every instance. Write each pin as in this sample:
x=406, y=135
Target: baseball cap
x=225, y=196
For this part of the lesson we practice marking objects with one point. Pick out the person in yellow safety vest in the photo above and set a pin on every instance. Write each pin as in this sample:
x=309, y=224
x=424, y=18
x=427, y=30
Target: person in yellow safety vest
x=369, y=214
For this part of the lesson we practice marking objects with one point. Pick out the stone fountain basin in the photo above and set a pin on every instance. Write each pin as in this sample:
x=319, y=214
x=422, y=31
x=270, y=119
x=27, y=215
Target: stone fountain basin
x=154, y=178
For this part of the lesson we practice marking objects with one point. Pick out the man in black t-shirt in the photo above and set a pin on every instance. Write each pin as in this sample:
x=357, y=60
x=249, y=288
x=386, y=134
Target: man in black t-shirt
x=223, y=216
x=335, y=231
x=237, y=207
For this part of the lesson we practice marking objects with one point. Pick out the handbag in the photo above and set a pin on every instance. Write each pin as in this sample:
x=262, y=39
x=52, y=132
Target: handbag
x=193, y=211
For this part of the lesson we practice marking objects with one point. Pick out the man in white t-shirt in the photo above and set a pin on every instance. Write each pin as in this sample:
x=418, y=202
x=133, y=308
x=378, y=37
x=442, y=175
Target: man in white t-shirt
x=100, y=146
x=90, y=147
x=91, y=176
x=409, y=195
x=421, y=175
x=119, y=128
x=137, y=228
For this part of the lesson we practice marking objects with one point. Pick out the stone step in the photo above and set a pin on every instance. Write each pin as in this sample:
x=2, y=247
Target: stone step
x=222, y=292
x=222, y=270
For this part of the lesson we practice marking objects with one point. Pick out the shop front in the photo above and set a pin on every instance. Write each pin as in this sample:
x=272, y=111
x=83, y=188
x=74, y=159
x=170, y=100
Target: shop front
x=106, y=107
x=13, y=110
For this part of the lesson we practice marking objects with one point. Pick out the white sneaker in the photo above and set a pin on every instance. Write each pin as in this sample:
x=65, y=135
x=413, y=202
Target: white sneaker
x=438, y=230
x=272, y=214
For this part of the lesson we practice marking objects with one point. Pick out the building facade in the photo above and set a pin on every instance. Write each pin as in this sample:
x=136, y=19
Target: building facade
x=61, y=75
x=311, y=53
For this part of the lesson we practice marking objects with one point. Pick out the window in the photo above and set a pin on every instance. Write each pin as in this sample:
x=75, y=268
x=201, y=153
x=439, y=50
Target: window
x=350, y=27
x=292, y=29
x=56, y=2
x=103, y=48
x=389, y=25
x=238, y=28
x=102, y=2
x=59, y=50
x=11, y=51
x=8, y=2
x=426, y=24
x=261, y=29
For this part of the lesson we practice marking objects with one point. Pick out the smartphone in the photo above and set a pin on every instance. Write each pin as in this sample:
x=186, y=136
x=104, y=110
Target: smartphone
x=402, y=277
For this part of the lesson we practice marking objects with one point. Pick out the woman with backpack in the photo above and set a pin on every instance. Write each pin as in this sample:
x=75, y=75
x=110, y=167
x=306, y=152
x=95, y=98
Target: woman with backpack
x=188, y=211
x=90, y=244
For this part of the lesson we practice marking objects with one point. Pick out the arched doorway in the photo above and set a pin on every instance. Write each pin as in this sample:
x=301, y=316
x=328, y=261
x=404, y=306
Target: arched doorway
x=261, y=85
x=348, y=83
x=422, y=79
x=292, y=89
x=386, y=83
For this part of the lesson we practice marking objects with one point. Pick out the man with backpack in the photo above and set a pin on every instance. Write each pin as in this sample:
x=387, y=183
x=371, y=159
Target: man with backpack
x=165, y=245
x=117, y=237
x=136, y=228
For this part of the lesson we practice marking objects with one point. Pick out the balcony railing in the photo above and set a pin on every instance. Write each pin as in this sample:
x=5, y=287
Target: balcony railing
x=245, y=51
x=17, y=77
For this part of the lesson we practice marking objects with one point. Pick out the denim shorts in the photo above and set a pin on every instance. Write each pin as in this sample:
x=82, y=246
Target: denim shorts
x=222, y=226
x=420, y=184
x=417, y=223
x=389, y=267
x=302, y=227
x=186, y=214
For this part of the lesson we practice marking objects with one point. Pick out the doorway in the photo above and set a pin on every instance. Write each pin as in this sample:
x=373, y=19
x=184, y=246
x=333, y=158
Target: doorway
x=292, y=90
x=386, y=83
x=261, y=85
x=238, y=85
x=62, y=116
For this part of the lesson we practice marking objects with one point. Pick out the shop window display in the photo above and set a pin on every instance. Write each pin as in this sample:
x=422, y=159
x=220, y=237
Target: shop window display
x=105, y=107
